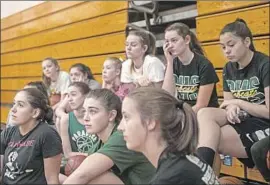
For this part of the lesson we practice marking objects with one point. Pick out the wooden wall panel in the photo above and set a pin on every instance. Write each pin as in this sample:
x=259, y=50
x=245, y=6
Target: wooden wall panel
x=4, y=113
x=87, y=28
x=39, y=10
x=16, y=83
x=210, y=7
x=93, y=46
x=61, y=18
x=258, y=22
x=7, y=96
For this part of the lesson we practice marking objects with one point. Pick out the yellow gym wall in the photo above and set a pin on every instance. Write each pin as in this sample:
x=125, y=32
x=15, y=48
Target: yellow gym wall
x=71, y=31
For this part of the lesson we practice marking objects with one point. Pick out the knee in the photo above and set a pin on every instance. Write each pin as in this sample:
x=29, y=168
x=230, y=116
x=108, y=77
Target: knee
x=204, y=113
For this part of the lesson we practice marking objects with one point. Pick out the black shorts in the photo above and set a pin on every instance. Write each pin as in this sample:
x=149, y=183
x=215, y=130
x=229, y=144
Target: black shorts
x=251, y=130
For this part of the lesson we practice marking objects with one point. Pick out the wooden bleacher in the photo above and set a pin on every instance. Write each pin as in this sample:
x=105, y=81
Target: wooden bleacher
x=79, y=31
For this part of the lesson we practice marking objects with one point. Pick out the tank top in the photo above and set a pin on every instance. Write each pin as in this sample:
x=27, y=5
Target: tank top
x=80, y=140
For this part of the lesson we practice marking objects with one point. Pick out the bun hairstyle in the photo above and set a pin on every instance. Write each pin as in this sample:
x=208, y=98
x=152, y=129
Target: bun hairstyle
x=240, y=29
x=178, y=122
x=40, y=86
x=39, y=100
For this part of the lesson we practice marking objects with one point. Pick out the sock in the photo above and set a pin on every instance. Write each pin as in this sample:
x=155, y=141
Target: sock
x=207, y=154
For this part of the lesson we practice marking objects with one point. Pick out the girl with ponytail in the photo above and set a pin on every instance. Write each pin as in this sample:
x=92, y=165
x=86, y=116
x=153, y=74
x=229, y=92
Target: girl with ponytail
x=243, y=117
x=165, y=130
x=142, y=68
x=189, y=74
x=31, y=150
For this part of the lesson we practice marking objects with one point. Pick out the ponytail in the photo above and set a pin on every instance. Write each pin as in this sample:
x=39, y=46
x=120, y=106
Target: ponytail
x=194, y=44
x=240, y=29
x=182, y=135
x=178, y=122
x=48, y=116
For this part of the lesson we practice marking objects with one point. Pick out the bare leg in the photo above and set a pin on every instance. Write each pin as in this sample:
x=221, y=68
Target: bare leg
x=229, y=136
x=210, y=120
x=106, y=178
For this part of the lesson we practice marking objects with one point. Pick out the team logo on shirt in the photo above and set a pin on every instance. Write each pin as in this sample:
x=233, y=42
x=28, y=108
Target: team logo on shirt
x=247, y=90
x=84, y=141
x=12, y=167
x=187, y=87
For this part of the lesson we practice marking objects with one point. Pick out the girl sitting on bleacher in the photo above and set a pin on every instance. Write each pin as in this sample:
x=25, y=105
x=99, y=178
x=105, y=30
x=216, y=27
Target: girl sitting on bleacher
x=72, y=128
x=56, y=81
x=111, y=77
x=142, y=68
x=166, y=131
x=81, y=73
x=37, y=84
x=189, y=74
x=30, y=151
x=78, y=73
x=243, y=117
x=75, y=139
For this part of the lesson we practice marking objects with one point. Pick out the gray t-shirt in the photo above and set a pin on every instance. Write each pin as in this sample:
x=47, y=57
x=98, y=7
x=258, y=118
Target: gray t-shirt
x=24, y=155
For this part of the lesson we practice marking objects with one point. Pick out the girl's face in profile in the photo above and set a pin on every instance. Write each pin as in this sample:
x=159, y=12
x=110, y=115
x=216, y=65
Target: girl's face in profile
x=134, y=130
x=21, y=112
x=109, y=71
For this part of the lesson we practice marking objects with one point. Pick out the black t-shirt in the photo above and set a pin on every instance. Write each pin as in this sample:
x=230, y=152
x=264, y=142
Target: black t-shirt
x=23, y=155
x=248, y=83
x=189, y=78
x=185, y=170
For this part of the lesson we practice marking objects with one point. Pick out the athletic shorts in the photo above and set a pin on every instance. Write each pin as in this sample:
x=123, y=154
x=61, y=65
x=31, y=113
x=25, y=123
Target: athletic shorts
x=251, y=130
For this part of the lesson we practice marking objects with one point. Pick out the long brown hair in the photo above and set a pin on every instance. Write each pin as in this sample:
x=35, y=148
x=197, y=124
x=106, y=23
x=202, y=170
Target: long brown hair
x=178, y=122
x=183, y=30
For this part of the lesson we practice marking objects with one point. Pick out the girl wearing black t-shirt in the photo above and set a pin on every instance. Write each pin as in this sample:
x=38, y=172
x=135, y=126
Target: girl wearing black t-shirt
x=243, y=117
x=31, y=150
x=165, y=130
x=189, y=73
